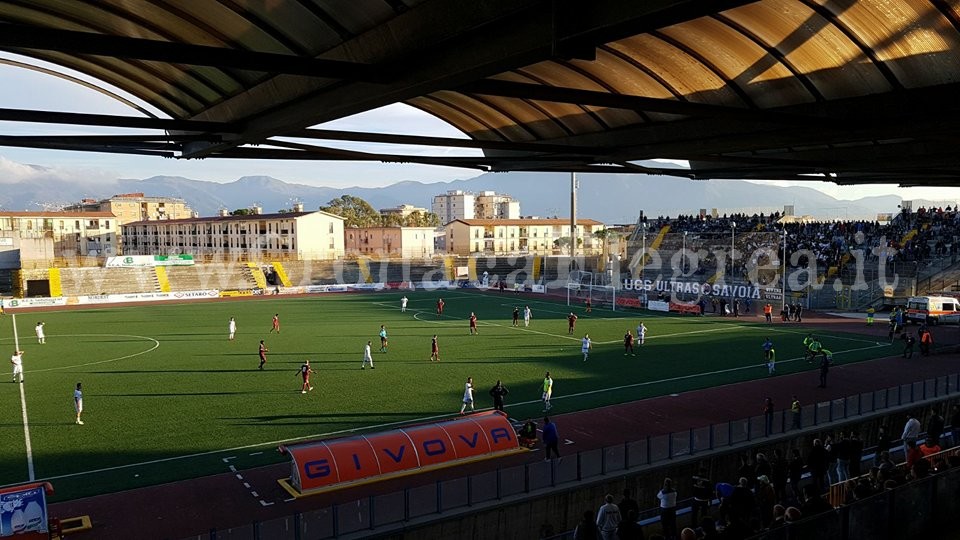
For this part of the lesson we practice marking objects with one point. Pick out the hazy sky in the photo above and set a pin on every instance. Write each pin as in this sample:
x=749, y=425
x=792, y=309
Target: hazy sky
x=25, y=89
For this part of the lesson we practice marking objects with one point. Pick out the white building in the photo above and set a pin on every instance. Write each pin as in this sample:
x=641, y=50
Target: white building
x=299, y=235
x=402, y=210
x=405, y=242
x=457, y=204
x=490, y=205
x=467, y=236
x=454, y=204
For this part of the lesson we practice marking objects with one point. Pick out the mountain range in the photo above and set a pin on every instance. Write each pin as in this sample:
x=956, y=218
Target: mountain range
x=610, y=198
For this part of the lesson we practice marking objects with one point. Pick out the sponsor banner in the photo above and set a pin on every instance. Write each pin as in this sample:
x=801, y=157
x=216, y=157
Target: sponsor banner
x=292, y=290
x=693, y=287
x=34, y=302
x=140, y=261
x=311, y=289
x=23, y=511
x=233, y=293
x=629, y=302
x=6, y=241
x=430, y=285
x=142, y=297
x=539, y=289
x=678, y=307
x=324, y=465
x=367, y=286
x=658, y=305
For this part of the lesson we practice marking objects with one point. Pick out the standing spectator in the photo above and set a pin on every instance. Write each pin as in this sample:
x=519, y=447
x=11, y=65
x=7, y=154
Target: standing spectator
x=883, y=442
x=766, y=499
x=668, y=509
x=608, y=517
x=842, y=449
x=795, y=412
x=795, y=468
x=587, y=528
x=935, y=426
x=768, y=312
x=742, y=502
x=763, y=467
x=929, y=448
x=551, y=437
x=911, y=430
x=702, y=495
x=768, y=416
x=499, y=391
x=628, y=504
x=798, y=312
x=913, y=454
x=746, y=469
x=778, y=474
x=955, y=424
x=831, y=448
x=817, y=462
x=629, y=529
x=855, y=448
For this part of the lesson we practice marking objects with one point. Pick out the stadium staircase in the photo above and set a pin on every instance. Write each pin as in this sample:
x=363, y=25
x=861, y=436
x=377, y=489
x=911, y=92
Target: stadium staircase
x=281, y=273
x=256, y=274
x=163, y=283
x=450, y=270
x=6, y=282
x=97, y=281
x=56, y=285
x=363, y=265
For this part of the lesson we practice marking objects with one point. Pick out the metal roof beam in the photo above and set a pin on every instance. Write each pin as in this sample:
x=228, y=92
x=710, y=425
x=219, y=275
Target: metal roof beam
x=14, y=37
x=416, y=140
x=110, y=120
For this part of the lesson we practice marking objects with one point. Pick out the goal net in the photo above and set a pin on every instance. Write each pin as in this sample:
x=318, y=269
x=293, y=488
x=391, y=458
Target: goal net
x=581, y=291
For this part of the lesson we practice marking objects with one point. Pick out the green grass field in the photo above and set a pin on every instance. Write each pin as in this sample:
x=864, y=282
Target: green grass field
x=167, y=396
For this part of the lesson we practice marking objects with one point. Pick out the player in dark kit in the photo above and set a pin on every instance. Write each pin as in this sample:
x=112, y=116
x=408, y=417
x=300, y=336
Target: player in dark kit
x=434, y=350
x=516, y=316
x=571, y=323
x=263, y=354
x=440, y=308
x=628, y=344
x=473, y=325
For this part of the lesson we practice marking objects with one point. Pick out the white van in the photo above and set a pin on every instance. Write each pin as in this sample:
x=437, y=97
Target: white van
x=933, y=309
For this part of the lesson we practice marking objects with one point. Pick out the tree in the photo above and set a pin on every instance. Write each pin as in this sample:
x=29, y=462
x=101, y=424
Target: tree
x=242, y=212
x=355, y=211
x=391, y=220
x=421, y=219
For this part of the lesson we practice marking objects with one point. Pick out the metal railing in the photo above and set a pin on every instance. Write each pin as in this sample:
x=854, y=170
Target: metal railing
x=460, y=494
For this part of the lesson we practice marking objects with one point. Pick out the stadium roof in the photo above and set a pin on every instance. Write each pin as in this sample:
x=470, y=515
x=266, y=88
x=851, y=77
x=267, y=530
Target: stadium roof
x=849, y=91
x=521, y=222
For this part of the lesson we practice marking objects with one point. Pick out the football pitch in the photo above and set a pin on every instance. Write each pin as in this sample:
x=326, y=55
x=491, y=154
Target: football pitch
x=167, y=396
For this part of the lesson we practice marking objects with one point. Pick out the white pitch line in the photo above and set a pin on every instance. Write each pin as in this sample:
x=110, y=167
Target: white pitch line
x=26, y=433
x=377, y=427
x=156, y=345
x=265, y=503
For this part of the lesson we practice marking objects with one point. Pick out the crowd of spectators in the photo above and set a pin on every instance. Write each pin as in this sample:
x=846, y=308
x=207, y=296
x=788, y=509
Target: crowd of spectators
x=774, y=491
x=828, y=243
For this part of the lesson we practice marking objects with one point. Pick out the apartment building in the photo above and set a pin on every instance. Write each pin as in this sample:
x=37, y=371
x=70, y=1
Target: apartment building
x=47, y=236
x=405, y=242
x=402, y=210
x=299, y=235
x=130, y=207
x=468, y=236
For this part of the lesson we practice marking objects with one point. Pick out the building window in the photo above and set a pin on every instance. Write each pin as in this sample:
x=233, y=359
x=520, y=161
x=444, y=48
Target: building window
x=331, y=229
x=76, y=225
x=107, y=225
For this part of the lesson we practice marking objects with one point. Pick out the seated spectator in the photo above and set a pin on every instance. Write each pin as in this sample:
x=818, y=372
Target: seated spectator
x=708, y=529
x=792, y=514
x=778, y=516
x=587, y=528
x=688, y=534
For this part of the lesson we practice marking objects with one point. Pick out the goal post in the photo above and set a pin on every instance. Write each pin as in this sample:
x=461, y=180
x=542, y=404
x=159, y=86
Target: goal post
x=581, y=289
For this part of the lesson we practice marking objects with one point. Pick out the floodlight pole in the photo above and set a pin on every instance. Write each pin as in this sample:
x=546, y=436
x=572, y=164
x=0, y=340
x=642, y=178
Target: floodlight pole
x=573, y=215
x=783, y=270
x=643, y=264
x=683, y=258
x=733, y=239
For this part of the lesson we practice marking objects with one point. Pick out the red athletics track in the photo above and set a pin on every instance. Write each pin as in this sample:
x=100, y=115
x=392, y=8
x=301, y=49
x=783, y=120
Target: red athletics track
x=189, y=507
